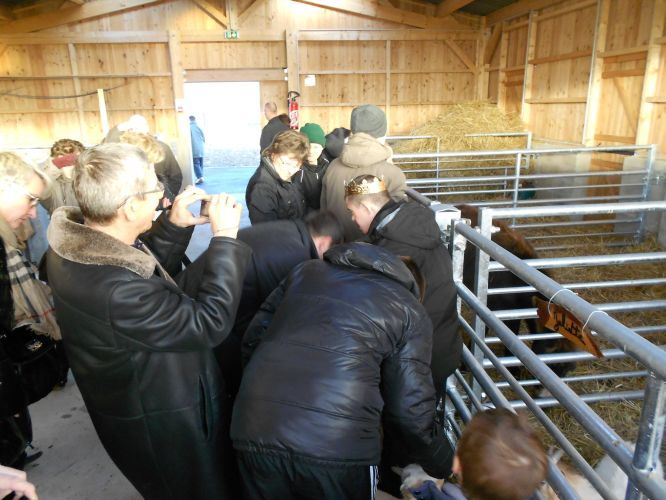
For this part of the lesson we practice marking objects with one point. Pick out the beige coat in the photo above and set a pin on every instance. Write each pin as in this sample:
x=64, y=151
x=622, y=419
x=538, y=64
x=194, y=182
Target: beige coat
x=362, y=155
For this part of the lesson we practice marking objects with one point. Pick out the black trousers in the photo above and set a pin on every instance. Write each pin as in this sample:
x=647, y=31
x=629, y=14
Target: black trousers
x=273, y=476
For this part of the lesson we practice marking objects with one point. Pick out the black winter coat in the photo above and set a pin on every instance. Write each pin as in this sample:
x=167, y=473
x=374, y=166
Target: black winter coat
x=277, y=247
x=340, y=342
x=141, y=352
x=310, y=178
x=268, y=197
x=409, y=228
x=270, y=130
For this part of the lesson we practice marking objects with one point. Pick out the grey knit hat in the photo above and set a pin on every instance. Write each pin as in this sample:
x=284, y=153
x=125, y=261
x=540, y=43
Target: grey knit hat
x=370, y=119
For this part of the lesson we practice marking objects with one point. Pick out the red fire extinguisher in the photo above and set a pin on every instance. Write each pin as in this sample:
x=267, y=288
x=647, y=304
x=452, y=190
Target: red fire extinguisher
x=292, y=97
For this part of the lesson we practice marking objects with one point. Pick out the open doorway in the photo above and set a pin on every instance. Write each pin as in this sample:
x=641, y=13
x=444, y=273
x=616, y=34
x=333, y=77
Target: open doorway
x=229, y=114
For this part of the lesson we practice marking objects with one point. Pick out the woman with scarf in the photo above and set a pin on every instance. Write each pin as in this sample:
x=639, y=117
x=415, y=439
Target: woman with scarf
x=27, y=321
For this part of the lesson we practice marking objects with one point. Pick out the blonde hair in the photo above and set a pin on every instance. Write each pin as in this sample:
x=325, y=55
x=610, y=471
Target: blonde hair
x=289, y=142
x=146, y=142
x=15, y=170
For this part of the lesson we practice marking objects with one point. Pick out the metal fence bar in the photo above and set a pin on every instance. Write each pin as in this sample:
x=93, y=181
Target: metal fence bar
x=579, y=378
x=645, y=305
x=650, y=433
x=565, y=357
x=600, y=397
x=600, y=431
x=590, y=209
x=555, y=477
x=588, y=260
x=584, y=285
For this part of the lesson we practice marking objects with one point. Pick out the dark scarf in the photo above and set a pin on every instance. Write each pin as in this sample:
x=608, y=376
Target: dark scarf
x=6, y=303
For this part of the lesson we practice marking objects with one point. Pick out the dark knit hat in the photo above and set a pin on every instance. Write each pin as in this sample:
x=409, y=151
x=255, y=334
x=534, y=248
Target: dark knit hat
x=315, y=133
x=369, y=119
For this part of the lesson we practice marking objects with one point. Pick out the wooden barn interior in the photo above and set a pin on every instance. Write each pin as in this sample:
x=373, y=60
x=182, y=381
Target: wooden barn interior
x=578, y=71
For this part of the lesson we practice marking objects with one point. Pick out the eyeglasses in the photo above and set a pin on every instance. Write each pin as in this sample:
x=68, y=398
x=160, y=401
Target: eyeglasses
x=159, y=188
x=34, y=200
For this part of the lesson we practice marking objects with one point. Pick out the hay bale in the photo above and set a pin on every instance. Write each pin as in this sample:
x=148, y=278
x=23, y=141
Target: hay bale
x=457, y=120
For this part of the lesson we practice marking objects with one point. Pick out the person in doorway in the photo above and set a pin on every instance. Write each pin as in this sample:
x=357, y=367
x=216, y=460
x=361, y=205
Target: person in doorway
x=364, y=153
x=335, y=347
x=198, y=142
x=315, y=167
x=274, y=126
x=270, y=193
x=141, y=350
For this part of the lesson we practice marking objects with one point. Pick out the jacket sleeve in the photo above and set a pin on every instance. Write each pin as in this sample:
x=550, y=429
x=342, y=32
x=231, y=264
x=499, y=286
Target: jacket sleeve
x=168, y=243
x=323, y=199
x=262, y=204
x=396, y=183
x=154, y=315
x=409, y=396
x=262, y=320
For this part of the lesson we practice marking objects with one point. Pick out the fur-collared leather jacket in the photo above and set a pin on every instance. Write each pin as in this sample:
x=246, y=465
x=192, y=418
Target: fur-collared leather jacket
x=409, y=228
x=341, y=343
x=141, y=351
x=268, y=197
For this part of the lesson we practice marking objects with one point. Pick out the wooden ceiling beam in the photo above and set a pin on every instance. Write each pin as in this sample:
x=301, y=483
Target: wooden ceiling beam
x=73, y=14
x=368, y=9
x=6, y=13
x=518, y=9
x=249, y=10
x=448, y=7
x=213, y=12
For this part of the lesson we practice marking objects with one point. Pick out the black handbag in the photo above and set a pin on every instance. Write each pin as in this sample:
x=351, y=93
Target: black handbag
x=36, y=360
x=12, y=396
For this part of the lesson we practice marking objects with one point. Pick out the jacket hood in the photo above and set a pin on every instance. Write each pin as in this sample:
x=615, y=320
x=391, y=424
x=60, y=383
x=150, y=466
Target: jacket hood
x=406, y=222
x=335, y=141
x=73, y=241
x=366, y=256
x=363, y=150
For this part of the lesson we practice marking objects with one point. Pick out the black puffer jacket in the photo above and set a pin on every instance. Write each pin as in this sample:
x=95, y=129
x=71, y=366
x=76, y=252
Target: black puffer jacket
x=310, y=178
x=277, y=247
x=268, y=197
x=409, y=228
x=345, y=345
x=141, y=352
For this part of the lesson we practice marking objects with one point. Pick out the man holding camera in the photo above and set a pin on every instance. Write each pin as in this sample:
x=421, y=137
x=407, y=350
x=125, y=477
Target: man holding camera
x=139, y=347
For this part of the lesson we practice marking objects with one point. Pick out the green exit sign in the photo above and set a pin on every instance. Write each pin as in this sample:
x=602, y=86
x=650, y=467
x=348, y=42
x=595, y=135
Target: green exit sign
x=231, y=35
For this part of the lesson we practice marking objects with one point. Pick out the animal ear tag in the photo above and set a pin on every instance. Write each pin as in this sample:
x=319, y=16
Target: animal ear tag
x=559, y=320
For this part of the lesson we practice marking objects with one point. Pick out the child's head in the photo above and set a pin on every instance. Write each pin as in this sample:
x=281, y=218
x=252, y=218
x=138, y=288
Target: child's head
x=499, y=456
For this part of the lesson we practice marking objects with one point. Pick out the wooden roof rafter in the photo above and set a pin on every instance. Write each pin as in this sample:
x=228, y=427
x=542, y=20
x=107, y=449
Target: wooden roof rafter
x=386, y=13
x=213, y=11
x=448, y=7
x=76, y=13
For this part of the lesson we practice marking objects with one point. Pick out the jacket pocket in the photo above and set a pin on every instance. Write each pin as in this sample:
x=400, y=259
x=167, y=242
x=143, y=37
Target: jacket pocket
x=205, y=406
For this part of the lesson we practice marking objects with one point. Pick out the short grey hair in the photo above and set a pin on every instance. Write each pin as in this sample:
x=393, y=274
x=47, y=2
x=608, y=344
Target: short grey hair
x=105, y=176
x=271, y=107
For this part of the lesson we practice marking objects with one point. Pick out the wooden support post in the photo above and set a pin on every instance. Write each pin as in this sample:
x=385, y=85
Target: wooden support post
x=651, y=73
x=74, y=67
x=596, y=72
x=183, y=142
x=293, y=78
x=103, y=117
x=232, y=14
x=481, y=68
x=501, y=78
x=525, y=112
x=388, y=84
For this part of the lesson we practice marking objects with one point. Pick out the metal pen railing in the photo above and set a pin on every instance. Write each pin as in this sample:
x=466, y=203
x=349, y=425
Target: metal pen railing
x=637, y=465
